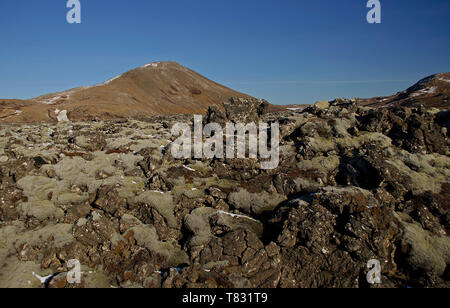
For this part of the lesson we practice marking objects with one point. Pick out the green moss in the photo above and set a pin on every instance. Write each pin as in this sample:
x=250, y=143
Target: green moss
x=190, y=191
x=322, y=105
x=222, y=184
x=198, y=222
x=3, y=143
x=18, y=274
x=255, y=203
x=349, y=143
x=320, y=144
x=82, y=173
x=130, y=186
x=82, y=141
x=342, y=125
x=42, y=210
x=321, y=163
x=57, y=236
x=95, y=278
x=424, y=177
x=147, y=237
x=162, y=202
x=428, y=252
x=35, y=150
x=148, y=143
x=37, y=188
x=305, y=185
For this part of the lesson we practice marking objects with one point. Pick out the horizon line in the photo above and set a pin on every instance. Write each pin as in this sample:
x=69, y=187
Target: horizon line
x=314, y=82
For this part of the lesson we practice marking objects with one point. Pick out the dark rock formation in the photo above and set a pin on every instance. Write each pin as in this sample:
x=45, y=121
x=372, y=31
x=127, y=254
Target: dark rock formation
x=353, y=184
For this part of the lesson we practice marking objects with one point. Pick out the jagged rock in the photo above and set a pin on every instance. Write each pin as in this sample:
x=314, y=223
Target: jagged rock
x=239, y=259
x=94, y=230
x=205, y=223
x=237, y=110
x=415, y=130
x=109, y=200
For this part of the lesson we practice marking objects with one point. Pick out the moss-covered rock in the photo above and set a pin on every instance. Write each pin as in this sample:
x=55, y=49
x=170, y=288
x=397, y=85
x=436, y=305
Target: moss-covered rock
x=425, y=252
x=147, y=237
x=255, y=203
x=42, y=210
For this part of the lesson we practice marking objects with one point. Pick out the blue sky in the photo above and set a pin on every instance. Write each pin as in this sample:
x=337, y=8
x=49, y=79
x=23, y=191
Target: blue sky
x=286, y=51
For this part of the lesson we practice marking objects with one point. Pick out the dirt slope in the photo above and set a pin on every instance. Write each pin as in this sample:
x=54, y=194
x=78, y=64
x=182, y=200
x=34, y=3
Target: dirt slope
x=159, y=88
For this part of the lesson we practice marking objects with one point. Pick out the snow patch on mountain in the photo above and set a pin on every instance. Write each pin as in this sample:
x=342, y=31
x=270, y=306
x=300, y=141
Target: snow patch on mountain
x=154, y=64
x=111, y=80
x=61, y=116
x=443, y=79
x=424, y=91
x=51, y=101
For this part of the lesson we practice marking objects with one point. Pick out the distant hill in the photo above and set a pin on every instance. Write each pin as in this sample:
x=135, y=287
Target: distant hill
x=433, y=91
x=159, y=88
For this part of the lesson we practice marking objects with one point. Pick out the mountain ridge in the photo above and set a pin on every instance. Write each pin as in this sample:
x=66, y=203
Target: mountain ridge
x=432, y=91
x=168, y=88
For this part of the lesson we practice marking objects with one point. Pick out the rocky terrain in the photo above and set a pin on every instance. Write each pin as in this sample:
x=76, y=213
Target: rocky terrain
x=354, y=183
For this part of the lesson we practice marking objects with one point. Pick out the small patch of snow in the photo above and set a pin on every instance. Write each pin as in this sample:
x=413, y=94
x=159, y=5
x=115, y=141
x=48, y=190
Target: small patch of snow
x=431, y=90
x=42, y=279
x=236, y=215
x=187, y=168
x=443, y=79
x=424, y=91
x=293, y=109
x=154, y=64
x=61, y=115
x=54, y=99
x=51, y=101
x=16, y=113
x=157, y=192
x=111, y=80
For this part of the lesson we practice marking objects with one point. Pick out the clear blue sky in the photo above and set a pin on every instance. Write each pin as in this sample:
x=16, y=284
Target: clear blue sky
x=286, y=51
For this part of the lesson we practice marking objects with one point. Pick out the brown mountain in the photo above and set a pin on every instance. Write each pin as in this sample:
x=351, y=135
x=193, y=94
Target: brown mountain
x=433, y=91
x=159, y=88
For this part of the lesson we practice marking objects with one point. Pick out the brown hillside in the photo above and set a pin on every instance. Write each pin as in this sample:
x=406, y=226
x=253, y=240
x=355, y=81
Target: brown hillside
x=433, y=91
x=159, y=88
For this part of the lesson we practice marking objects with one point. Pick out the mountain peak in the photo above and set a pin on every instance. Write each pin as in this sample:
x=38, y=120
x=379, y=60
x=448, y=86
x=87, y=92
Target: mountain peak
x=156, y=88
